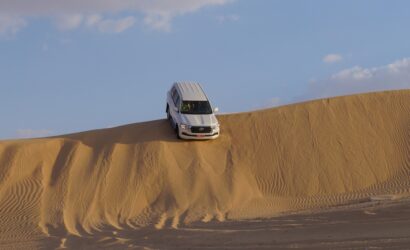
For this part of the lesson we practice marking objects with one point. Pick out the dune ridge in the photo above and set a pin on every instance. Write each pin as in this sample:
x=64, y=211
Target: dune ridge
x=302, y=156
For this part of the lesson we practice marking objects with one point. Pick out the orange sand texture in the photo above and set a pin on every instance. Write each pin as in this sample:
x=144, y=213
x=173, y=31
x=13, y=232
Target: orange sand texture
x=303, y=156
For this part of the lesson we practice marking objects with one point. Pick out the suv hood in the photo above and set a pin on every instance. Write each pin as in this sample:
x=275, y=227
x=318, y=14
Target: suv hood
x=199, y=120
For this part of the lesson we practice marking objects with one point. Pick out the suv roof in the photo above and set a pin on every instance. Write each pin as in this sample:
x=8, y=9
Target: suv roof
x=190, y=91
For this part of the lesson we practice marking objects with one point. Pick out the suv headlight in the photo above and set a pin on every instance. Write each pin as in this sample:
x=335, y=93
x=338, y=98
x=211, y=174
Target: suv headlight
x=215, y=126
x=185, y=126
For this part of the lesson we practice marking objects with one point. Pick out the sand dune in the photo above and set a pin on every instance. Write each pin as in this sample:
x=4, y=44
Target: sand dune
x=303, y=156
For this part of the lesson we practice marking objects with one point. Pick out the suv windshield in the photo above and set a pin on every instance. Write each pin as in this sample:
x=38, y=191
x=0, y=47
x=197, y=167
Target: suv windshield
x=196, y=108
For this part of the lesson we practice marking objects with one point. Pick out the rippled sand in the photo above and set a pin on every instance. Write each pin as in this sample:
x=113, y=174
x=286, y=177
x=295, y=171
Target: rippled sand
x=113, y=187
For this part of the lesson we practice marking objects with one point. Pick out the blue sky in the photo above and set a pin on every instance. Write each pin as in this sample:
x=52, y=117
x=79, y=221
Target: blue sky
x=68, y=66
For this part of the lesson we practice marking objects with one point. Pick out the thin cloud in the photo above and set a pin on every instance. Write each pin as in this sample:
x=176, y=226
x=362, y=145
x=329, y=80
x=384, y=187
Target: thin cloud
x=32, y=133
x=332, y=58
x=395, y=75
x=73, y=14
x=110, y=25
x=10, y=25
x=69, y=22
x=116, y=26
x=159, y=21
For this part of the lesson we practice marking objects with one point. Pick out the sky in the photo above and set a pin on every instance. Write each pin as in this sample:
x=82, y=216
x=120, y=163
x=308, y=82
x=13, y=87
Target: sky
x=69, y=66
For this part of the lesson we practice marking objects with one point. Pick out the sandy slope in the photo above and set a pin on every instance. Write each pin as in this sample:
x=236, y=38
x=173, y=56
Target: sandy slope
x=302, y=156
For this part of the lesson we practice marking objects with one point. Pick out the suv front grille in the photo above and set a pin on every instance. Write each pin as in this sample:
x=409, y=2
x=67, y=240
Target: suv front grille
x=201, y=129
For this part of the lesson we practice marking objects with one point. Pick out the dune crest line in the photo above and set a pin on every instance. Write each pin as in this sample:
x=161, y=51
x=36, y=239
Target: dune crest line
x=302, y=156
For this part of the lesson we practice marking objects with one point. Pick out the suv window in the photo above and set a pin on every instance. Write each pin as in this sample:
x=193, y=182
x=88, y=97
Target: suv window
x=177, y=101
x=173, y=93
x=175, y=97
x=196, y=108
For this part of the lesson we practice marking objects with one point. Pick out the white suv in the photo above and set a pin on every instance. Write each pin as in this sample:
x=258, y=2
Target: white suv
x=190, y=112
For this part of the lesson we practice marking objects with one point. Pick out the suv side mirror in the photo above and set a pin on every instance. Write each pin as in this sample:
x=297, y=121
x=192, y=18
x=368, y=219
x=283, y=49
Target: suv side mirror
x=216, y=109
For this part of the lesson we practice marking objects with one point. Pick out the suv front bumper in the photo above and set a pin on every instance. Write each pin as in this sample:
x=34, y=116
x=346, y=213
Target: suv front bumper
x=187, y=134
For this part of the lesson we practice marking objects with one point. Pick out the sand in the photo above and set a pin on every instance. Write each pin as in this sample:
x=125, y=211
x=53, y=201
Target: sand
x=70, y=190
